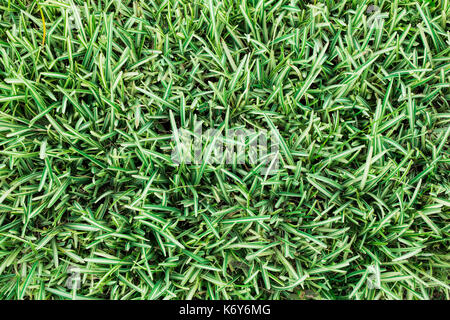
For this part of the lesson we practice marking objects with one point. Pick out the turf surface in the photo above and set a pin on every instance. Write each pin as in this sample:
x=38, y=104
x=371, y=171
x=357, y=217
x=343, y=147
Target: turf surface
x=93, y=206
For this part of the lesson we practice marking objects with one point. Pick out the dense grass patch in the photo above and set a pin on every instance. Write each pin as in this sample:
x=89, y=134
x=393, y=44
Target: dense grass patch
x=90, y=95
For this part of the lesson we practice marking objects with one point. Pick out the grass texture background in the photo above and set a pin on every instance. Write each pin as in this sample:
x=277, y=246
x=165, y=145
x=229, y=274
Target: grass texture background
x=91, y=91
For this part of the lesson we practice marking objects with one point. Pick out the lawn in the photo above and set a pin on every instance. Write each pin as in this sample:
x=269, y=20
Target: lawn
x=109, y=191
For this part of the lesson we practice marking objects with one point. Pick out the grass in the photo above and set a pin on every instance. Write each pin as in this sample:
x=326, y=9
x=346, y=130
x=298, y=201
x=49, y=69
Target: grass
x=90, y=92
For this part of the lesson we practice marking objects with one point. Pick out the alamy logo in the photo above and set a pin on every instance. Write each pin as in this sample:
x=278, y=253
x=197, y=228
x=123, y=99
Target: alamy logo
x=376, y=18
x=74, y=17
x=373, y=278
x=74, y=280
x=235, y=146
